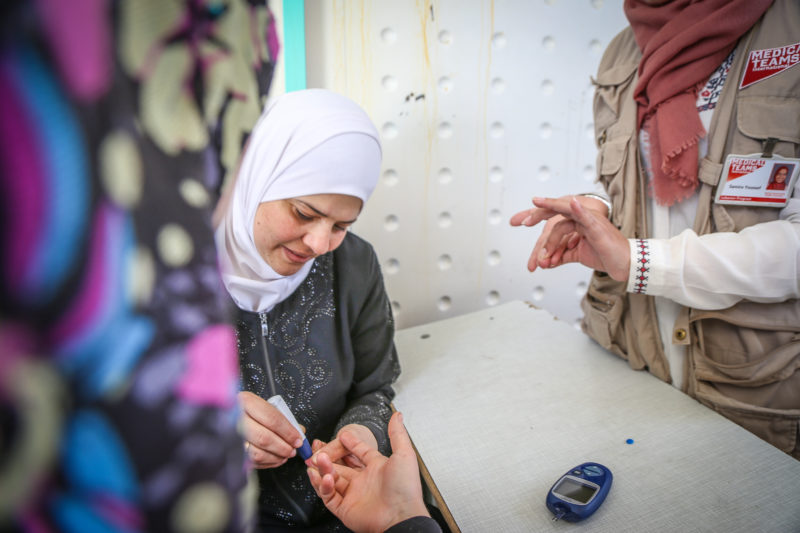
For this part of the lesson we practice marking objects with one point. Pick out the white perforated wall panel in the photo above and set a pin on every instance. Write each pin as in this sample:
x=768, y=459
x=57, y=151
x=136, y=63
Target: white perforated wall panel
x=481, y=105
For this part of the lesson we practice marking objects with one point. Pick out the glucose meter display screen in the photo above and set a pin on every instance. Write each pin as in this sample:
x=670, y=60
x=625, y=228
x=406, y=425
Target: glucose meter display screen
x=576, y=491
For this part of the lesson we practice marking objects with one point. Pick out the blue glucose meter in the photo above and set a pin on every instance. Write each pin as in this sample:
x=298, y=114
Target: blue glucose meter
x=579, y=492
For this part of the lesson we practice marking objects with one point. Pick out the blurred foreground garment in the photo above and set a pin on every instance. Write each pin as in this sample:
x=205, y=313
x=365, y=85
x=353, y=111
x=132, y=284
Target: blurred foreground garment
x=119, y=121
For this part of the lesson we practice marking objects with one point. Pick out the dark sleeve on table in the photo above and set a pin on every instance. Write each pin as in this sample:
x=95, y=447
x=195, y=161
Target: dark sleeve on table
x=418, y=524
x=368, y=315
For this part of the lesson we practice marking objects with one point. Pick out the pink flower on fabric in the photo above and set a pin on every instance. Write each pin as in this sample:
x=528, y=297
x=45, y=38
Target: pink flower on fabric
x=212, y=374
x=79, y=36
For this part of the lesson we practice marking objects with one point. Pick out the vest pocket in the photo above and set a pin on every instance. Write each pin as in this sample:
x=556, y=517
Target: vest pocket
x=748, y=345
x=778, y=427
x=764, y=117
x=611, y=91
x=749, y=373
x=612, y=164
x=602, y=307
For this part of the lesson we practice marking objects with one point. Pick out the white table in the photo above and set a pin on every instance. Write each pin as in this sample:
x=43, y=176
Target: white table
x=501, y=402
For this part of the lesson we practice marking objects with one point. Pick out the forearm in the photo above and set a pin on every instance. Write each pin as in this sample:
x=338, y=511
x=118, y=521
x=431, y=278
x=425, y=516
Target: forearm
x=761, y=263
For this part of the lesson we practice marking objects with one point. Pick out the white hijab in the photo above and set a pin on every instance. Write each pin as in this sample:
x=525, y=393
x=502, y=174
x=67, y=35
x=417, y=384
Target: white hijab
x=307, y=142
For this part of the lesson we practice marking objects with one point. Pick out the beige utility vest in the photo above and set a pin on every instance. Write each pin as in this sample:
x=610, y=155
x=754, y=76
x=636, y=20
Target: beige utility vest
x=743, y=361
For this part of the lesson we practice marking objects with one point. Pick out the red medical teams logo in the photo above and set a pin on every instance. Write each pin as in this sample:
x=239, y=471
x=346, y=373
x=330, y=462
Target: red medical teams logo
x=741, y=167
x=765, y=63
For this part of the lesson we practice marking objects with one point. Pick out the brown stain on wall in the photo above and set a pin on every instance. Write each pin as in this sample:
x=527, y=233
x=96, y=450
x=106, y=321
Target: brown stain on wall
x=424, y=9
x=484, y=141
x=428, y=29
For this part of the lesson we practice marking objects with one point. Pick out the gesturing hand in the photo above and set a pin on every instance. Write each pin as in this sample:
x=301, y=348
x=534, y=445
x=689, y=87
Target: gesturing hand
x=576, y=233
x=386, y=491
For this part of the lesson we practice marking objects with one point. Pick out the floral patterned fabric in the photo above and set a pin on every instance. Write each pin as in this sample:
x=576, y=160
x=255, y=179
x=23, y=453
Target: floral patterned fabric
x=119, y=122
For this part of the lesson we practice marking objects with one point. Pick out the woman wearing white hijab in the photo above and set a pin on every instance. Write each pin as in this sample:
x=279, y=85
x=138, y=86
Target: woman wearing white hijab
x=314, y=322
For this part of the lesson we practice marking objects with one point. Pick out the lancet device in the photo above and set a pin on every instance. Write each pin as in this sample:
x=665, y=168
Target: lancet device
x=279, y=403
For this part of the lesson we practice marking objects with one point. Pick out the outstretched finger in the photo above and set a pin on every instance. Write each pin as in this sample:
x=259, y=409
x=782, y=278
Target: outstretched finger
x=316, y=481
x=518, y=218
x=531, y=217
x=556, y=205
x=325, y=487
x=333, y=449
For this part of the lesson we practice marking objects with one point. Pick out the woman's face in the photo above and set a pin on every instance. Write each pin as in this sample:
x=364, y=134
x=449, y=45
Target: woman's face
x=289, y=233
x=780, y=175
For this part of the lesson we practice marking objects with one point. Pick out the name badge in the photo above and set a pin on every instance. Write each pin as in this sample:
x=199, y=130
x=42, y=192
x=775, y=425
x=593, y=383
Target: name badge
x=758, y=181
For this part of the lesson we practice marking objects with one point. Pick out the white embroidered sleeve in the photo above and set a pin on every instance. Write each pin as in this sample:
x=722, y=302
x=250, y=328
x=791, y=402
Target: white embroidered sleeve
x=760, y=263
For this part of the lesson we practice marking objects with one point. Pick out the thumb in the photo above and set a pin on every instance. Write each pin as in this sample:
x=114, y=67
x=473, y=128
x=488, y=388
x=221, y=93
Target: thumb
x=591, y=224
x=398, y=436
x=579, y=214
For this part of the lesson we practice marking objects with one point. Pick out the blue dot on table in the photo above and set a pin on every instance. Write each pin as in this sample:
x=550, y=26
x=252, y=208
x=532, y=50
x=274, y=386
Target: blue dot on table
x=629, y=441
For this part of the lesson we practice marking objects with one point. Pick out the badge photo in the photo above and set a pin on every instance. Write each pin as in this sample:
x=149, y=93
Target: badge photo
x=757, y=181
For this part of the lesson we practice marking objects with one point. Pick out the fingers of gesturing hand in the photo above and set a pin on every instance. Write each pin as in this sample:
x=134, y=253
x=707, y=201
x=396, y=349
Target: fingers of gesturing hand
x=531, y=217
x=558, y=205
x=518, y=218
x=563, y=205
x=559, y=253
x=559, y=234
x=573, y=241
x=523, y=218
x=576, y=222
x=533, y=260
x=583, y=216
x=609, y=247
x=591, y=224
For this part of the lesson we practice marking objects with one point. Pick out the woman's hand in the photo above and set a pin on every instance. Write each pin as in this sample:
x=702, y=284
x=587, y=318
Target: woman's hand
x=385, y=491
x=270, y=439
x=577, y=231
x=340, y=454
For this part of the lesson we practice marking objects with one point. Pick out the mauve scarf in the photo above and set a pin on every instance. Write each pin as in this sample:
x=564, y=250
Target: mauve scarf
x=682, y=43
